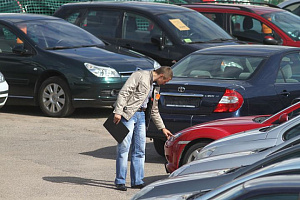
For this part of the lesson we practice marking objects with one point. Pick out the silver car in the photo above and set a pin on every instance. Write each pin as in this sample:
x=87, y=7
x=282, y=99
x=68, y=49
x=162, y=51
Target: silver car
x=186, y=185
x=221, y=164
x=253, y=140
x=3, y=90
x=291, y=166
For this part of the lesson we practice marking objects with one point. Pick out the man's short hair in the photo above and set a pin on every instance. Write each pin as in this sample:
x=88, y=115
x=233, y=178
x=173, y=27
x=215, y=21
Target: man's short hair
x=166, y=71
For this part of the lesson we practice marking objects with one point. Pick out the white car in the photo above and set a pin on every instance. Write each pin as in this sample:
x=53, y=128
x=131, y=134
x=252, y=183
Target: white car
x=3, y=90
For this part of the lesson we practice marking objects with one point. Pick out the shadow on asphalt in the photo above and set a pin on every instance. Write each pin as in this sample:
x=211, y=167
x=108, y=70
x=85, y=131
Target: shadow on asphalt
x=94, y=182
x=78, y=113
x=110, y=153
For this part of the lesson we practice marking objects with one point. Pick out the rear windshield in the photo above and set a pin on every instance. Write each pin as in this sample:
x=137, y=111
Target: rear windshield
x=217, y=66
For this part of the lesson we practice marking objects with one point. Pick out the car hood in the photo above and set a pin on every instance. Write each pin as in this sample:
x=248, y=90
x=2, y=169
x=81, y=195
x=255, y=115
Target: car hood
x=245, y=141
x=227, y=123
x=181, y=186
x=102, y=57
x=220, y=164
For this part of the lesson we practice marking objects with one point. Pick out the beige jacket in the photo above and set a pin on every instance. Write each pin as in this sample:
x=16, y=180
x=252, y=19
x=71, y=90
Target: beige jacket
x=133, y=94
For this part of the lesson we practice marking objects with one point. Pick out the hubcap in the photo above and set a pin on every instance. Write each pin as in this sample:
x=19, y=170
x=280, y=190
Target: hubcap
x=54, y=98
x=194, y=155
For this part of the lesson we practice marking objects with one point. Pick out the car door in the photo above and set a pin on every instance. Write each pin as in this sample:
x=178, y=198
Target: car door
x=17, y=63
x=287, y=83
x=141, y=34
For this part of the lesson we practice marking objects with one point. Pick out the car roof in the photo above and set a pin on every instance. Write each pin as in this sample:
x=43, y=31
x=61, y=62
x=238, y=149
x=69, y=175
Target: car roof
x=21, y=17
x=146, y=7
x=287, y=3
x=251, y=50
x=258, y=9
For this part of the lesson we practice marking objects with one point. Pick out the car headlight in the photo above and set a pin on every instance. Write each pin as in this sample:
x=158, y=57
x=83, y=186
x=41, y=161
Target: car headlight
x=101, y=71
x=205, y=153
x=2, y=79
x=175, y=136
x=156, y=65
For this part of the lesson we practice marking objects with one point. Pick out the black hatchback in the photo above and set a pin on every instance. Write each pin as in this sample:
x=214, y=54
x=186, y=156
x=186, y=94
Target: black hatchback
x=59, y=66
x=163, y=32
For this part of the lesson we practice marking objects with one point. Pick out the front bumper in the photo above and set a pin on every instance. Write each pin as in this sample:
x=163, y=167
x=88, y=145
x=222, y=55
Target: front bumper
x=173, y=152
x=96, y=92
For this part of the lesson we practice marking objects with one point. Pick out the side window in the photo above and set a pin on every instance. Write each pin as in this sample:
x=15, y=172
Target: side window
x=102, y=23
x=139, y=28
x=289, y=71
x=294, y=8
x=73, y=17
x=291, y=133
x=215, y=17
x=276, y=196
x=249, y=29
x=8, y=40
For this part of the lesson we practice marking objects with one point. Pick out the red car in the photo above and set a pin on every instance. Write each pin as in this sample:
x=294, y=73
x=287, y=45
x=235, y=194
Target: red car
x=252, y=23
x=184, y=146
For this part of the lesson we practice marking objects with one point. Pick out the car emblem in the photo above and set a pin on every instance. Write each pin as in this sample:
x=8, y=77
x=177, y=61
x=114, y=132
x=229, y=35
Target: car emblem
x=181, y=89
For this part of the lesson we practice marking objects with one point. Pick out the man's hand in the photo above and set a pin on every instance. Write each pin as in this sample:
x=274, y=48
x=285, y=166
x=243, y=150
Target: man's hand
x=167, y=133
x=117, y=118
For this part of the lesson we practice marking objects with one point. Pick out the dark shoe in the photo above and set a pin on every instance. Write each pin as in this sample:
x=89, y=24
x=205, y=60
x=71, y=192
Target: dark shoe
x=121, y=187
x=138, y=186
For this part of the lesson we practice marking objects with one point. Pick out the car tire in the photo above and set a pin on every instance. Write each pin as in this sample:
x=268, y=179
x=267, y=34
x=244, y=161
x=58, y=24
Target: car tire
x=192, y=151
x=159, y=146
x=55, y=97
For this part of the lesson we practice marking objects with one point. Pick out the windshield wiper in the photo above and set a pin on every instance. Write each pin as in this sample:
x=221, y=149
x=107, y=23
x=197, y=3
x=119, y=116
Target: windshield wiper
x=220, y=40
x=72, y=47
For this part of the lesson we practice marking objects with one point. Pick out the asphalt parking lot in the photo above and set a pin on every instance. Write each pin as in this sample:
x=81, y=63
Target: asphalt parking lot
x=63, y=158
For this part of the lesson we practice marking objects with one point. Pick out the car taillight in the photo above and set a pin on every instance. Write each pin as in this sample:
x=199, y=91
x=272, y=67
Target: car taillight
x=230, y=101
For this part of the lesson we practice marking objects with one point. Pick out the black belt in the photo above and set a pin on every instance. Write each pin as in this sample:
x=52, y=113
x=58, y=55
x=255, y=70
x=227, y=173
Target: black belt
x=141, y=110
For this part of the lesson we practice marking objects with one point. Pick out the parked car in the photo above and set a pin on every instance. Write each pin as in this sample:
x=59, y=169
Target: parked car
x=254, y=24
x=163, y=32
x=3, y=90
x=59, y=66
x=253, y=140
x=287, y=167
x=222, y=163
x=291, y=5
x=186, y=144
x=227, y=81
x=182, y=187
x=281, y=187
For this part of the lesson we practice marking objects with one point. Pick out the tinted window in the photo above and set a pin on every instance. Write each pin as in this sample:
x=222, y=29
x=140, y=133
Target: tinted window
x=8, y=40
x=217, y=67
x=280, y=196
x=294, y=8
x=293, y=132
x=102, y=23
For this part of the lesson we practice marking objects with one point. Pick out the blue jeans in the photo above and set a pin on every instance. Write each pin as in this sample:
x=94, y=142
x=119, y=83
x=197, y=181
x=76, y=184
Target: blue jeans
x=136, y=139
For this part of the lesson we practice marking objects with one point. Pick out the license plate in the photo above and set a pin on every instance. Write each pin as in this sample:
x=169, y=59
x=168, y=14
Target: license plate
x=184, y=102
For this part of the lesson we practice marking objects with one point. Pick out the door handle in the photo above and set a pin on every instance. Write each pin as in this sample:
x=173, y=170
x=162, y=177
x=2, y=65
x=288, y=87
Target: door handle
x=284, y=93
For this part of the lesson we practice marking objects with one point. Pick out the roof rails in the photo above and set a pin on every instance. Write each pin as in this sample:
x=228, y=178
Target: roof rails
x=236, y=2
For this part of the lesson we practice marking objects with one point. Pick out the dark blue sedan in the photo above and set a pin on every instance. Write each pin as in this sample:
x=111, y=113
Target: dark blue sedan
x=228, y=81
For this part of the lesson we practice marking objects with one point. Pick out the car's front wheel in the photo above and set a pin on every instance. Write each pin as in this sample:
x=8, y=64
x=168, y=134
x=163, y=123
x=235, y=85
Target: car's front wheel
x=193, y=152
x=55, y=97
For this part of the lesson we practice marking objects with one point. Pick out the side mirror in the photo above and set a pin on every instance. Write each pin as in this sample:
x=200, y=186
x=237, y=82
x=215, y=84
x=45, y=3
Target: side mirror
x=19, y=49
x=270, y=40
x=158, y=40
x=283, y=118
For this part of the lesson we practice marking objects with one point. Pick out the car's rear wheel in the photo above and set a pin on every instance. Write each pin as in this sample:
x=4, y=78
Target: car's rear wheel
x=55, y=97
x=159, y=146
x=192, y=152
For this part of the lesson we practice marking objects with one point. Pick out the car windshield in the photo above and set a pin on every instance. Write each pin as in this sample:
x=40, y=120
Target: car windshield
x=287, y=22
x=193, y=27
x=52, y=34
x=217, y=66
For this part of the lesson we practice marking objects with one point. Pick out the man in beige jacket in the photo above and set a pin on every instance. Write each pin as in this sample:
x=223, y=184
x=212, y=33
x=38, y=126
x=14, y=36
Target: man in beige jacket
x=130, y=108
